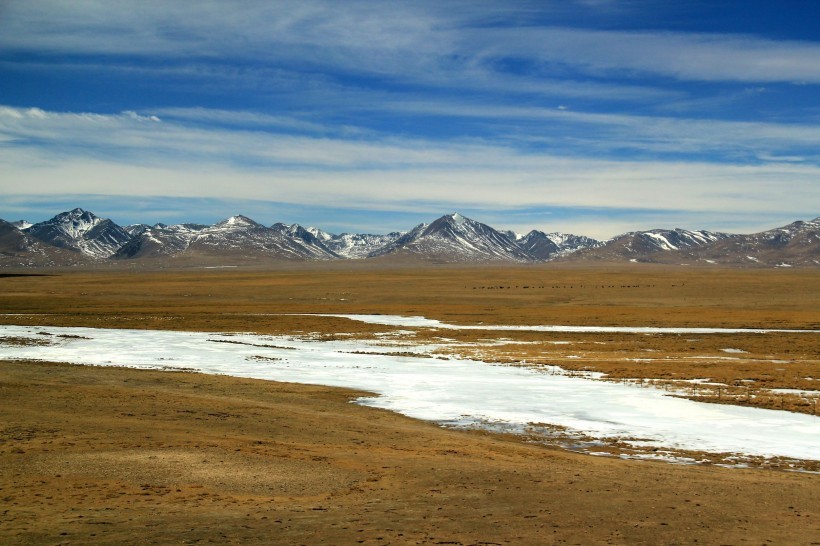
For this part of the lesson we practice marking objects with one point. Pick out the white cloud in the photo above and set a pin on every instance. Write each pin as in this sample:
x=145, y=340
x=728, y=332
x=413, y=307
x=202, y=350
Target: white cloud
x=698, y=190
x=418, y=41
x=180, y=154
x=707, y=57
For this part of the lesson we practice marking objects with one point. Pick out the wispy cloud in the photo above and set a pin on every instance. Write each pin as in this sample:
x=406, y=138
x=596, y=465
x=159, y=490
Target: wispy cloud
x=419, y=41
x=706, y=57
x=250, y=138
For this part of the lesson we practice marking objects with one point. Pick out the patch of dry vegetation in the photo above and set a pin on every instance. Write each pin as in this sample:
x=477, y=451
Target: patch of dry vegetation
x=113, y=456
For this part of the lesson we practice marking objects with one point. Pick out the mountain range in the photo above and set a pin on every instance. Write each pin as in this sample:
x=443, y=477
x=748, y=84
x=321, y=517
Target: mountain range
x=80, y=237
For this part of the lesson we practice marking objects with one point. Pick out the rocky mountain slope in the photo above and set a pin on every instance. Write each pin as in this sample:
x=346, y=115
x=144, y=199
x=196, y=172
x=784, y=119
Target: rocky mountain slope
x=80, y=237
x=83, y=231
x=797, y=244
x=19, y=249
x=354, y=245
x=455, y=238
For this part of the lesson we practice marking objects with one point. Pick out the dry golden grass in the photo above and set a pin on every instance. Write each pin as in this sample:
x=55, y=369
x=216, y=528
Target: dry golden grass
x=98, y=455
x=117, y=456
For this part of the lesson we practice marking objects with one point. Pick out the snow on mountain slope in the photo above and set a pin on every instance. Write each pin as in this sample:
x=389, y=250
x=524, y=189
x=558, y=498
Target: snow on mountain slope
x=82, y=231
x=653, y=245
x=312, y=246
x=354, y=245
x=456, y=238
x=159, y=240
x=18, y=248
x=74, y=236
x=239, y=236
x=538, y=245
x=795, y=244
x=13, y=240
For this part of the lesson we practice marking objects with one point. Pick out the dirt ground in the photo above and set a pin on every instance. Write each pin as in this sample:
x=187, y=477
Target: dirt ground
x=106, y=455
x=115, y=456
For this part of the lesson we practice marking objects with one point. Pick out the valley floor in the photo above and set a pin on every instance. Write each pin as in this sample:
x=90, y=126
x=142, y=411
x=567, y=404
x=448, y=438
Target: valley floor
x=111, y=455
x=108, y=455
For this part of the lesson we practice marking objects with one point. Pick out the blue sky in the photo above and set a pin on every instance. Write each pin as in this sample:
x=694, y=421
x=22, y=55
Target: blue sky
x=589, y=116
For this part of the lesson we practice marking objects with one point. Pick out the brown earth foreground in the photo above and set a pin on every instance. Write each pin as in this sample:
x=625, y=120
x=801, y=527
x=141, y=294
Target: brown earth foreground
x=117, y=456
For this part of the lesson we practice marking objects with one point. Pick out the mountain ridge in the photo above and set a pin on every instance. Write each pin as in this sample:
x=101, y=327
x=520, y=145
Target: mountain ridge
x=81, y=237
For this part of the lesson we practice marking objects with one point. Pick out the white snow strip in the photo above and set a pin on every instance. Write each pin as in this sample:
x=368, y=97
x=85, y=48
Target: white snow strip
x=800, y=392
x=662, y=241
x=421, y=322
x=453, y=391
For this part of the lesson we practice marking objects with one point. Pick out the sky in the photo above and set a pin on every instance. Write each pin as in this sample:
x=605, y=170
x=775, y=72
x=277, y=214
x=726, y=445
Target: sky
x=594, y=117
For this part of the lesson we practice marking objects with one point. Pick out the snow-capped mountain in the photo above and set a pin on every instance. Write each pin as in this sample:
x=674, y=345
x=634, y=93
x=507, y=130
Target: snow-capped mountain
x=456, y=238
x=312, y=245
x=135, y=230
x=158, y=240
x=639, y=242
x=656, y=245
x=797, y=244
x=241, y=237
x=568, y=243
x=79, y=237
x=545, y=246
x=19, y=249
x=538, y=245
x=82, y=231
x=354, y=245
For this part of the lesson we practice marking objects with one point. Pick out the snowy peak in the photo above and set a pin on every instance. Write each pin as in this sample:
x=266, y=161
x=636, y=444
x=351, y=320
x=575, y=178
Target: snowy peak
x=237, y=222
x=312, y=246
x=546, y=246
x=454, y=237
x=74, y=236
x=457, y=219
x=158, y=240
x=360, y=245
x=74, y=223
x=319, y=234
x=538, y=245
x=82, y=231
x=243, y=239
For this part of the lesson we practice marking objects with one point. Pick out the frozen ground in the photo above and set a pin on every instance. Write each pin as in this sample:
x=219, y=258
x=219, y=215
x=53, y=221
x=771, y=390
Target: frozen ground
x=447, y=391
x=422, y=322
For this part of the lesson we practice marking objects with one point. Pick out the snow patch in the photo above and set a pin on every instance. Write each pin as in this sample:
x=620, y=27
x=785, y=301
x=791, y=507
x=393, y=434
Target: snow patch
x=422, y=322
x=446, y=391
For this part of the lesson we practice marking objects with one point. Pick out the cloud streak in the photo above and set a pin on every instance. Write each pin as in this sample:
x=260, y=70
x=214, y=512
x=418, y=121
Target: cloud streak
x=419, y=41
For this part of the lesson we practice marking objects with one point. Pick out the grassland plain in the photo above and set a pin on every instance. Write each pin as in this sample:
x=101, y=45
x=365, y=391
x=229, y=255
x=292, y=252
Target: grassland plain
x=116, y=455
